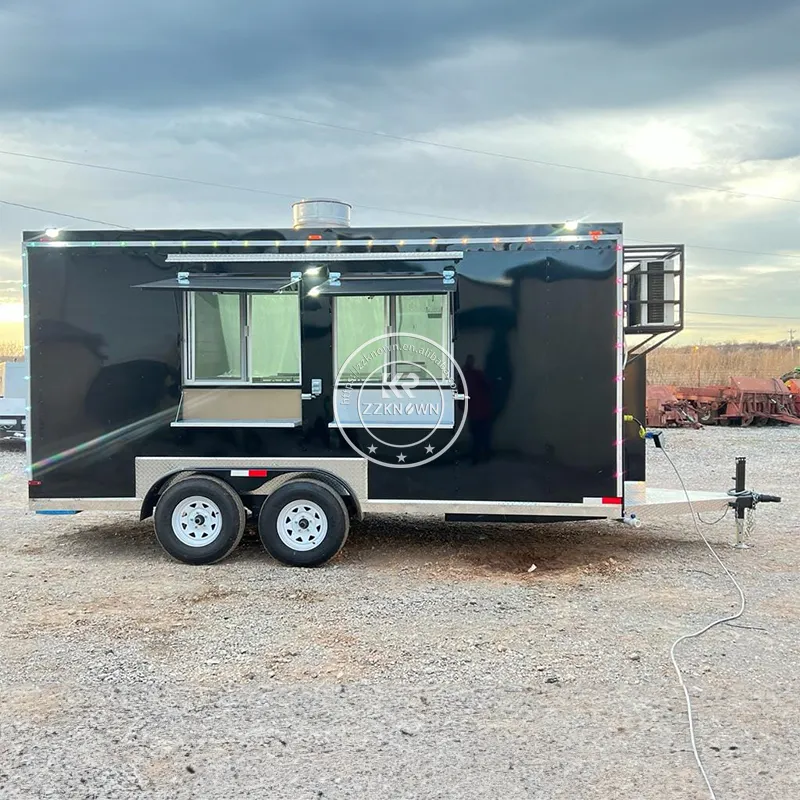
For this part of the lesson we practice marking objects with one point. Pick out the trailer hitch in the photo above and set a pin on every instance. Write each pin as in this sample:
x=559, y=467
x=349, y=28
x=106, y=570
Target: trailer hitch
x=744, y=502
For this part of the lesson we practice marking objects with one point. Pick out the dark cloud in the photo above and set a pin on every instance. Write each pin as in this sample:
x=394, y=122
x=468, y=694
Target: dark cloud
x=152, y=53
x=177, y=87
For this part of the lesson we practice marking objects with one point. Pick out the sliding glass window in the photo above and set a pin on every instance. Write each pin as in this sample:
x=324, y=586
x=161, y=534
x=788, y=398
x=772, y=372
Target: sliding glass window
x=245, y=339
x=359, y=319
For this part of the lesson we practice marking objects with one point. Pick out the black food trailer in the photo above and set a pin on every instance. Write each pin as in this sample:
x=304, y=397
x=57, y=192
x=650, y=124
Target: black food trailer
x=306, y=377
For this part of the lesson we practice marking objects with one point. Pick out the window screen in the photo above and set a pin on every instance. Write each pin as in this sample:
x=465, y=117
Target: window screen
x=253, y=339
x=422, y=315
x=359, y=319
x=274, y=338
x=217, y=336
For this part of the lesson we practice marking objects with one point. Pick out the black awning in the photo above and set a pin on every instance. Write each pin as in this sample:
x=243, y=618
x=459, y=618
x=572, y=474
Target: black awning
x=373, y=286
x=221, y=283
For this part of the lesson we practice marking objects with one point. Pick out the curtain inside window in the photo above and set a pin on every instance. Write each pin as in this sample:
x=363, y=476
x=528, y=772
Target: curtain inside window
x=422, y=315
x=358, y=319
x=217, y=336
x=275, y=338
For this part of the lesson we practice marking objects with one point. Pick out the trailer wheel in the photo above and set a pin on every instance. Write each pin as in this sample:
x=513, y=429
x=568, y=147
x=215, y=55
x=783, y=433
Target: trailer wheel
x=706, y=416
x=303, y=524
x=199, y=520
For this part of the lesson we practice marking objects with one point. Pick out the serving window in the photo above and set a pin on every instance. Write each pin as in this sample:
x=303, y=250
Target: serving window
x=358, y=319
x=242, y=339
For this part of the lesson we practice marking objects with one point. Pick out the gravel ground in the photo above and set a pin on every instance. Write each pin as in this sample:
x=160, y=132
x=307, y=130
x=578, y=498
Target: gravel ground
x=425, y=662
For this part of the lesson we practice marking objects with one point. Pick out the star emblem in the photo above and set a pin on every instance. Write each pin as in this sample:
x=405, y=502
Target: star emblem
x=372, y=449
x=429, y=449
x=401, y=457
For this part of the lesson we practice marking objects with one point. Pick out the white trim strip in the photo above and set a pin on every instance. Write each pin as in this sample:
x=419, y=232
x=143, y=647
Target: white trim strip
x=399, y=426
x=510, y=508
x=620, y=361
x=193, y=258
x=261, y=472
x=327, y=242
x=85, y=504
x=598, y=501
x=213, y=423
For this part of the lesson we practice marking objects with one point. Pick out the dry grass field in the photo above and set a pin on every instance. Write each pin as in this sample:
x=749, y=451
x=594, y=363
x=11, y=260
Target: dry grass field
x=11, y=350
x=704, y=365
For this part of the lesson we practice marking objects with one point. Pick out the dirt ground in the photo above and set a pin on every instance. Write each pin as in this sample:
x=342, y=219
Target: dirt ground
x=425, y=662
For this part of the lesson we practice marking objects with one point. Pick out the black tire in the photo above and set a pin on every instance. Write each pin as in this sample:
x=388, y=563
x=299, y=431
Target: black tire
x=221, y=502
x=706, y=416
x=283, y=513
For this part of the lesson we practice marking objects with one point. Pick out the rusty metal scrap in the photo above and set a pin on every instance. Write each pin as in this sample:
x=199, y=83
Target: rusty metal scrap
x=743, y=401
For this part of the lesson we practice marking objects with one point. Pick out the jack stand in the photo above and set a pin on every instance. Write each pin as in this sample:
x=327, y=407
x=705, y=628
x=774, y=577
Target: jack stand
x=740, y=506
x=744, y=502
x=741, y=535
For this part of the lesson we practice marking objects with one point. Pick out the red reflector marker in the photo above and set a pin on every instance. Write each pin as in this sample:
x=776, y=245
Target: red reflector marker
x=612, y=501
x=315, y=236
x=34, y=483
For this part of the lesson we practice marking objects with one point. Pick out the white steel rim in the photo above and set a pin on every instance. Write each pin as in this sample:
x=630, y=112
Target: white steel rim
x=302, y=525
x=197, y=521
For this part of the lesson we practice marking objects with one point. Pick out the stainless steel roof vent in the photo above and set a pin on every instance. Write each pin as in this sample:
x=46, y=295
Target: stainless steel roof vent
x=320, y=214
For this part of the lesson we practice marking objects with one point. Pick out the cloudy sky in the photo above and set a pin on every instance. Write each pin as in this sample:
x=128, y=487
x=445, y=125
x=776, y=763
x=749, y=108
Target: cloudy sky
x=703, y=93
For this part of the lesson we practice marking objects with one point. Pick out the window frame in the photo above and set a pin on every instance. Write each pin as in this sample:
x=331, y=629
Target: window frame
x=389, y=327
x=245, y=346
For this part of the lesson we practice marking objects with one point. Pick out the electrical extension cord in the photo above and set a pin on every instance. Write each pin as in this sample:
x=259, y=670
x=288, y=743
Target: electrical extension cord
x=697, y=634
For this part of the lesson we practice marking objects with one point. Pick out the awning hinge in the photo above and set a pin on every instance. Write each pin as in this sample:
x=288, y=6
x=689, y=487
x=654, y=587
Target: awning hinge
x=449, y=276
